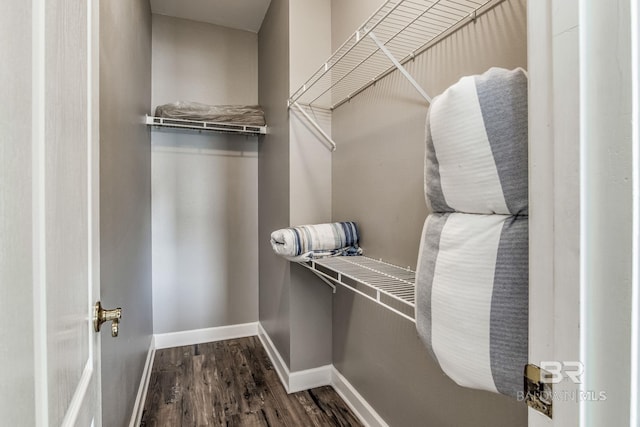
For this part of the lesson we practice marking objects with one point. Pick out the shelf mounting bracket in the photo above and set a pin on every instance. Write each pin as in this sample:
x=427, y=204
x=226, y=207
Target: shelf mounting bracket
x=319, y=276
x=315, y=125
x=399, y=66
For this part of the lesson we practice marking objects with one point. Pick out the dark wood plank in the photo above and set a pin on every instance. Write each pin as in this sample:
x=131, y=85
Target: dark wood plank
x=331, y=405
x=233, y=383
x=165, y=396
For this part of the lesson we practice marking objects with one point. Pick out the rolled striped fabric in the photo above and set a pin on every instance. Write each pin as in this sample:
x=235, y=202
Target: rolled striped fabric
x=306, y=242
x=472, y=271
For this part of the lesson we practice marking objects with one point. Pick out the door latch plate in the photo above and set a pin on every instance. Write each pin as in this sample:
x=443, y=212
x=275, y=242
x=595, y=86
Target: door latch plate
x=538, y=392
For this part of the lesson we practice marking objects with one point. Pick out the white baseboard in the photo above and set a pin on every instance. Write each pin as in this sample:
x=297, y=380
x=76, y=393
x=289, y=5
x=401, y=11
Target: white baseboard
x=199, y=336
x=276, y=360
x=310, y=378
x=317, y=377
x=294, y=381
x=355, y=401
x=138, y=406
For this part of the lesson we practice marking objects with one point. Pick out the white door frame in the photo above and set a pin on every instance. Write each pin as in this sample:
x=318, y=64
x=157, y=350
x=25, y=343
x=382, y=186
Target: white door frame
x=635, y=320
x=554, y=189
x=581, y=205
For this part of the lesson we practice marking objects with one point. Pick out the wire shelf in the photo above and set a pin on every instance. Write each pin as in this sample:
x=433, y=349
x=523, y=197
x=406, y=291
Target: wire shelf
x=206, y=126
x=391, y=286
x=405, y=28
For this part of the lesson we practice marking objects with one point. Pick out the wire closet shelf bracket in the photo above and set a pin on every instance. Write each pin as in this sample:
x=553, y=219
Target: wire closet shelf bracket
x=388, y=285
x=395, y=34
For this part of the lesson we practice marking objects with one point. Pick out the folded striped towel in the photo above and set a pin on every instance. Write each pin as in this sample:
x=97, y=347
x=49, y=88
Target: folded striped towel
x=306, y=242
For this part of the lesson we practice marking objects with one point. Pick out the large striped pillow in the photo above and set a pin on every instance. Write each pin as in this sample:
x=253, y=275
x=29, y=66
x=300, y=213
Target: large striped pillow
x=476, y=152
x=472, y=275
x=472, y=298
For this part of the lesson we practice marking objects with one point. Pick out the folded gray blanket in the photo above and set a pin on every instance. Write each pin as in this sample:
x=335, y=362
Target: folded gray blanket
x=241, y=114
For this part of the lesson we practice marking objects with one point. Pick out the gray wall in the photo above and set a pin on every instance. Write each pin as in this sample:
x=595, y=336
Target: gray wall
x=125, y=199
x=16, y=285
x=378, y=182
x=295, y=184
x=309, y=158
x=273, y=173
x=309, y=184
x=205, y=185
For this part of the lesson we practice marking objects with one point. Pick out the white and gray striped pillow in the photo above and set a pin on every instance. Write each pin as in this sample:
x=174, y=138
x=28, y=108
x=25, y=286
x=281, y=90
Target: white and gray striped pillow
x=472, y=298
x=472, y=275
x=476, y=154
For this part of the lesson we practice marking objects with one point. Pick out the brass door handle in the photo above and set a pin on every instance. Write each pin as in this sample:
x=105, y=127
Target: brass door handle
x=100, y=315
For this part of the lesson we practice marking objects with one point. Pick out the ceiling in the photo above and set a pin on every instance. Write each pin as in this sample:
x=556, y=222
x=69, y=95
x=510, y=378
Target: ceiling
x=240, y=14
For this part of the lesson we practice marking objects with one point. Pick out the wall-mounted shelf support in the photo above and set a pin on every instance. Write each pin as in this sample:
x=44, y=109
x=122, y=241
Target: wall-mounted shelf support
x=316, y=126
x=321, y=277
x=388, y=285
x=399, y=66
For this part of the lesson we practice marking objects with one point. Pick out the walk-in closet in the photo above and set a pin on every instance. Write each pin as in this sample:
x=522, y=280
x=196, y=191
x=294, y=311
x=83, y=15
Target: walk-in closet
x=317, y=70
x=319, y=213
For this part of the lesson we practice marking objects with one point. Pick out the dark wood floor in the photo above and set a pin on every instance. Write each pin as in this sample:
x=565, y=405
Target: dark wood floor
x=233, y=383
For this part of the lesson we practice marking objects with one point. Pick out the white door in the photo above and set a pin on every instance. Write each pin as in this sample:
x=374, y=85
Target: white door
x=65, y=211
x=581, y=212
